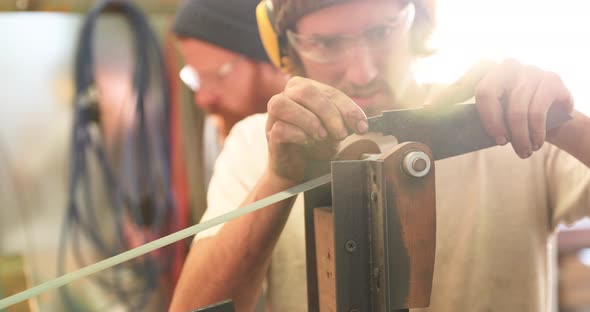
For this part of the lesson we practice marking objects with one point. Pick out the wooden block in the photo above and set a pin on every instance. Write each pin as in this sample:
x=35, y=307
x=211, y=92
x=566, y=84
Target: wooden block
x=324, y=229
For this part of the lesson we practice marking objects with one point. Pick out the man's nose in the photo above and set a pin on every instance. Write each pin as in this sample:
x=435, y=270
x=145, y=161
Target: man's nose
x=206, y=99
x=362, y=68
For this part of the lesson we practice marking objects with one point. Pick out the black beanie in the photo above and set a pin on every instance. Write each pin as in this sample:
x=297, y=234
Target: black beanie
x=230, y=24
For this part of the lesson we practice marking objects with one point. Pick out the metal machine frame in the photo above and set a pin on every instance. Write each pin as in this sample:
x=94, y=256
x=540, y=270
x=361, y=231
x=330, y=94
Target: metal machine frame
x=370, y=237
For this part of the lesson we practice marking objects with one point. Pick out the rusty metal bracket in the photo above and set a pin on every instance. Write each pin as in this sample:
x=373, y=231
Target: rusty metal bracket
x=373, y=244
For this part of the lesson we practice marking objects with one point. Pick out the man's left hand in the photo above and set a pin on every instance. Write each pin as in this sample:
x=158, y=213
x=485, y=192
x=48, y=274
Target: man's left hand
x=513, y=101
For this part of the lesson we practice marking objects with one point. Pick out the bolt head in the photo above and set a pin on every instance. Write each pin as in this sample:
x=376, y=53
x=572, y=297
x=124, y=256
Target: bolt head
x=350, y=246
x=416, y=163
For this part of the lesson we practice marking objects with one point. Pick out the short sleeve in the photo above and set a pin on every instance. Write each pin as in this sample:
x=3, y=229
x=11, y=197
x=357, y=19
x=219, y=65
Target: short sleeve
x=568, y=182
x=237, y=169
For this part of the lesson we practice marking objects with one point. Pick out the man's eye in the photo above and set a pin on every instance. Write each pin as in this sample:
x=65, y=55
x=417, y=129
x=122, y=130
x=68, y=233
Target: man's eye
x=379, y=33
x=328, y=42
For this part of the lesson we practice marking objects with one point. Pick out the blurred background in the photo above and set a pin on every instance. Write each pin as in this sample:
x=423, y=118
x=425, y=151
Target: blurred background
x=38, y=46
x=544, y=33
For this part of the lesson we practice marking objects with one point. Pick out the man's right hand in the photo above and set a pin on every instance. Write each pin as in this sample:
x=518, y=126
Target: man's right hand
x=308, y=120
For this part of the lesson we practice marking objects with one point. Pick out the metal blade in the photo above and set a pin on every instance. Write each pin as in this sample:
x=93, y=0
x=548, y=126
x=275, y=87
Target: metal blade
x=448, y=130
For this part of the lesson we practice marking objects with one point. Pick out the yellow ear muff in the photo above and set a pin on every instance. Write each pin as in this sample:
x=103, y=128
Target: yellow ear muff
x=268, y=35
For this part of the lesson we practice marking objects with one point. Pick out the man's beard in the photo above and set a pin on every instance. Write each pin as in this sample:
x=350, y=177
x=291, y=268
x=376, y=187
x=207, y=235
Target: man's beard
x=381, y=91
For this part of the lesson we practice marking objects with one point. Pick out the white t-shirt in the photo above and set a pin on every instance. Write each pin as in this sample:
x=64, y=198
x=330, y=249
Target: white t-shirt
x=495, y=216
x=211, y=148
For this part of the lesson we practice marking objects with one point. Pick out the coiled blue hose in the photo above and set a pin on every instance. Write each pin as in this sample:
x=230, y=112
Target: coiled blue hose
x=141, y=190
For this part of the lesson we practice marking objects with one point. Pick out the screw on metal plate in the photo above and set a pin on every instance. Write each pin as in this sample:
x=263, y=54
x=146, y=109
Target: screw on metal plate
x=350, y=246
x=416, y=163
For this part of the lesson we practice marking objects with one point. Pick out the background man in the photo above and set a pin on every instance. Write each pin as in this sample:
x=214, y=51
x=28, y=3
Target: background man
x=227, y=67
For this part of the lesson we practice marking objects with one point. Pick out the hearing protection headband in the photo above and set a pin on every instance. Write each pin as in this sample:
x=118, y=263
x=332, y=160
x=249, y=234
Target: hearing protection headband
x=268, y=34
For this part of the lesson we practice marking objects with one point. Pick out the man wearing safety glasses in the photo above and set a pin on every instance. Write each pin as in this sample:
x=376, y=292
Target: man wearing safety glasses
x=226, y=66
x=496, y=208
